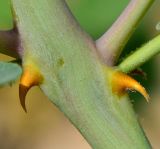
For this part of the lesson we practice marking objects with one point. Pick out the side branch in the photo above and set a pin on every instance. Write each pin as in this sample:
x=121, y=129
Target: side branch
x=9, y=43
x=140, y=56
x=110, y=45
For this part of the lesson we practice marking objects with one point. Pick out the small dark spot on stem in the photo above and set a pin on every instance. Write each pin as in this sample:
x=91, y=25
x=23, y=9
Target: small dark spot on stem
x=60, y=62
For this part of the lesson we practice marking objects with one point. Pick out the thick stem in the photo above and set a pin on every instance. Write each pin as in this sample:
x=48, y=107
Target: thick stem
x=110, y=45
x=73, y=77
x=141, y=55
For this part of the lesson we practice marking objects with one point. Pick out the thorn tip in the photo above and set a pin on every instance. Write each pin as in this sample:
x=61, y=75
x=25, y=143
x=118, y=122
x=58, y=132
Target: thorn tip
x=22, y=95
x=122, y=82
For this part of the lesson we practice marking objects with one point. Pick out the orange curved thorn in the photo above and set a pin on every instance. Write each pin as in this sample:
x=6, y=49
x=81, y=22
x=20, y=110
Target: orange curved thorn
x=30, y=78
x=122, y=82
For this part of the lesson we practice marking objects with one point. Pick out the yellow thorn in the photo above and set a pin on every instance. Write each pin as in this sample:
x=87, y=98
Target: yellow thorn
x=122, y=82
x=30, y=78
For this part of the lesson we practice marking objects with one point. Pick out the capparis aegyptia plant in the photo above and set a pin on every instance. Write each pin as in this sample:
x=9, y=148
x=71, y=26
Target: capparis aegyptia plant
x=79, y=75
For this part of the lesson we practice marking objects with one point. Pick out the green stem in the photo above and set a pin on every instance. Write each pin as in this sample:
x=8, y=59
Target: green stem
x=110, y=45
x=74, y=79
x=141, y=55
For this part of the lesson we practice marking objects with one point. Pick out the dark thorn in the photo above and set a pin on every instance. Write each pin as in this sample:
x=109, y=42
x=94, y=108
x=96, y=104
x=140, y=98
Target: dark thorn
x=22, y=95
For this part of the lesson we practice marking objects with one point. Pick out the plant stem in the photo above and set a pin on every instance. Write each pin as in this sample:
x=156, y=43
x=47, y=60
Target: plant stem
x=141, y=55
x=9, y=43
x=110, y=45
x=73, y=76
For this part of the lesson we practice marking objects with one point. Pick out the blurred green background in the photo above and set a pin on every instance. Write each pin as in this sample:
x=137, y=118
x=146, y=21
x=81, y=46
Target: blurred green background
x=44, y=127
x=5, y=15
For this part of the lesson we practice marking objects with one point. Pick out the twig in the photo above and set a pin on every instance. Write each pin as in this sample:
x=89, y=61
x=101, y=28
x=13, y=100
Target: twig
x=9, y=43
x=141, y=55
x=110, y=45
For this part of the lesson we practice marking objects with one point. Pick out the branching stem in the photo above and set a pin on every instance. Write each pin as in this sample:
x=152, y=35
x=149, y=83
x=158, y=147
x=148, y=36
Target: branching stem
x=141, y=55
x=9, y=43
x=110, y=45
